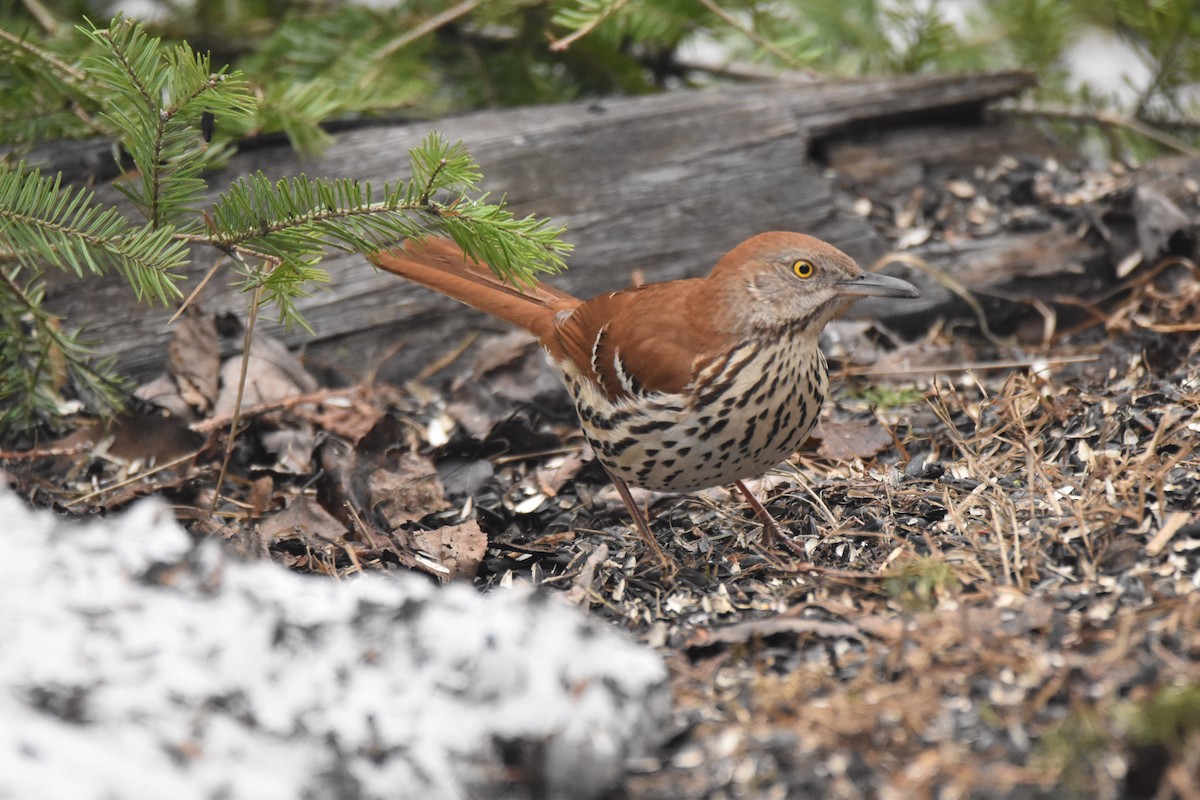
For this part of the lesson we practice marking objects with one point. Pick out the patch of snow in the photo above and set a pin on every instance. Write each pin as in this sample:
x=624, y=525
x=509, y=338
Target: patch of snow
x=135, y=664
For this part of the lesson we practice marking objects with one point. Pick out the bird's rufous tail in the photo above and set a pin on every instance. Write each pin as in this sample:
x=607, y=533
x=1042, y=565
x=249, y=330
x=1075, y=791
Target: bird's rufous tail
x=441, y=265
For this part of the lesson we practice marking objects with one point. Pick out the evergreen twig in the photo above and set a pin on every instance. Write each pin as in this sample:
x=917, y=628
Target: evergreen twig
x=52, y=61
x=427, y=27
x=275, y=233
x=1106, y=119
x=598, y=11
x=753, y=35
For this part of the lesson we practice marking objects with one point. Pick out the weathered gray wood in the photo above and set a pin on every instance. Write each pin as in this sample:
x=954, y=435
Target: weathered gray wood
x=661, y=184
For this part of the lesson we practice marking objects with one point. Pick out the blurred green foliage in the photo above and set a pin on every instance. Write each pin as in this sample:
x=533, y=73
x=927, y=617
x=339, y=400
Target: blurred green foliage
x=312, y=62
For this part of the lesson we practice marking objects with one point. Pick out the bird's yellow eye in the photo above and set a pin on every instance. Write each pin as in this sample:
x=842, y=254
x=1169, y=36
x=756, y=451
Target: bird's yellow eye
x=803, y=268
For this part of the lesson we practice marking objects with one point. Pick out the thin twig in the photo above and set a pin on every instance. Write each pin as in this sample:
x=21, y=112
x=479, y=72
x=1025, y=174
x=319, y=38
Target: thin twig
x=65, y=70
x=1182, y=33
x=739, y=71
x=1139, y=279
x=430, y=182
x=44, y=452
x=1106, y=119
x=240, y=252
x=437, y=365
x=43, y=15
x=44, y=322
x=251, y=318
x=54, y=61
x=559, y=45
x=188, y=301
x=207, y=426
x=428, y=26
x=751, y=34
x=1172, y=122
x=132, y=479
x=1019, y=363
x=581, y=589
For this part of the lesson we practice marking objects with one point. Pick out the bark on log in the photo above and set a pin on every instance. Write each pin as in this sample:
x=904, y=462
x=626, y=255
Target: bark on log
x=663, y=185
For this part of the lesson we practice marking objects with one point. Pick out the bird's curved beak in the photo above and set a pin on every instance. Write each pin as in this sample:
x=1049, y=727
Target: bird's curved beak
x=870, y=284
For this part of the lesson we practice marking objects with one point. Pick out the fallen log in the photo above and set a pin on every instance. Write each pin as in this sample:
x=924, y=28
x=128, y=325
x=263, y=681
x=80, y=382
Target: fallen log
x=658, y=187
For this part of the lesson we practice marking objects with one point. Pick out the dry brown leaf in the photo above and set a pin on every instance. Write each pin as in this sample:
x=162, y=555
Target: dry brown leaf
x=163, y=392
x=581, y=588
x=469, y=415
x=1158, y=219
x=552, y=478
x=305, y=518
x=261, y=489
x=292, y=447
x=194, y=359
x=409, y=494
x=458, y=548
x=851, y=439
x=272, y=374
x=514, y=367
x=350, y=414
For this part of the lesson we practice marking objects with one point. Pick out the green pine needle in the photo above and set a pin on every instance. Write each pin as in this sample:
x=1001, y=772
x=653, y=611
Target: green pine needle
x=46, y=223
x=150, y=98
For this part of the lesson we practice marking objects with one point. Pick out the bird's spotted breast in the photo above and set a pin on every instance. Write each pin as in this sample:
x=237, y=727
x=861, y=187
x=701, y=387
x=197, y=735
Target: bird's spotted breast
x=749, y=409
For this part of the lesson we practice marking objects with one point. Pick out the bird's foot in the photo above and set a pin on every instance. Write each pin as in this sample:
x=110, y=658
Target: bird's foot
x=773, y=532
x=639, y=521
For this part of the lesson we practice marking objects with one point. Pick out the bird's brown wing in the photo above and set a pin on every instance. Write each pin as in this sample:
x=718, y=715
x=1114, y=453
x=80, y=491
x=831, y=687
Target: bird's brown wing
x=644, y=339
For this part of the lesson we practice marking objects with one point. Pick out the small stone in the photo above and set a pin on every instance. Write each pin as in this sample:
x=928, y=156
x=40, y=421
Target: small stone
x=961, y=189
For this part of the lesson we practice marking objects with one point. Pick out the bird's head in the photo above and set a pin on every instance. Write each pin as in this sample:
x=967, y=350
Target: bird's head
x=791, y=281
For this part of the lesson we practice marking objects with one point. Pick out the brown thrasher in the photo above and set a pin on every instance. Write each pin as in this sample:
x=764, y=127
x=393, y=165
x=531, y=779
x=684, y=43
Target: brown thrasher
x=684, y=384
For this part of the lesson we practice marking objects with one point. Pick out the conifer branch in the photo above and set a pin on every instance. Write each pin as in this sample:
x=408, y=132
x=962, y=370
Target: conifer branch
x=427, y=27
x=1105, y=119
x=276, y=233
x=55, y=63
x=45, y=222
x=35, y=354
x=587, y=18
x=753, y=35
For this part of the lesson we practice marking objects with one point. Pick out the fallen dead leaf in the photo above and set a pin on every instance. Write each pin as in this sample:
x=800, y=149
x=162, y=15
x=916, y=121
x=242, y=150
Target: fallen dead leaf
x=458, y=548
x=292, y=447
x=514, y=367
x=304, y=518
x=194, y=359
x=557, y=473
x=261, y=489
x=272, y=374
x=350, y=414
x=581, y=588
x=409, y=494
x=163, y=392
x=851, y=439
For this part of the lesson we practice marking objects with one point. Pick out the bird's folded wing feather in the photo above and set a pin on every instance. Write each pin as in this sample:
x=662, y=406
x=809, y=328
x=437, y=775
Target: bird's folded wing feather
x=640, y=340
